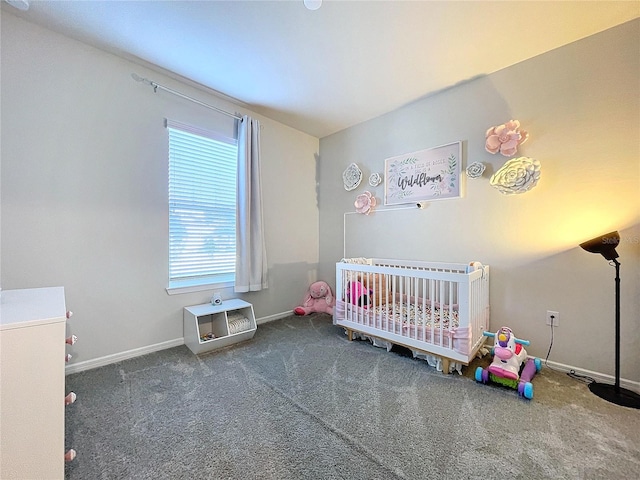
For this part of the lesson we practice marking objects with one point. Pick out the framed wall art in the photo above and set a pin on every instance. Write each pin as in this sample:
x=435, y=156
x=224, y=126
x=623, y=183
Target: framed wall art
x=426, y=175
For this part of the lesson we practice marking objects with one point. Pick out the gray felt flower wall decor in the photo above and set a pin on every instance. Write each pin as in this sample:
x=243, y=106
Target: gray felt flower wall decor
x=352, y=177
x=475, y=170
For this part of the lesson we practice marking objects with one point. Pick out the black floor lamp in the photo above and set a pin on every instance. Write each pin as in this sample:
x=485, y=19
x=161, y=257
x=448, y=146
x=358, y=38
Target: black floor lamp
x=606, y=245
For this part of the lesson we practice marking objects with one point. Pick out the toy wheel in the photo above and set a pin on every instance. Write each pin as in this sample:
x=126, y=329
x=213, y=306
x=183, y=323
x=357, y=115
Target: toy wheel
x=528, y=390
x=485, y=376
x=479, y=374
x=538, y=363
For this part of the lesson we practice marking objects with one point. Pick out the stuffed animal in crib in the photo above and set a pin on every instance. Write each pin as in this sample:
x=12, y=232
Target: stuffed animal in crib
x=319, y=298
x=376, y=285
x=358, y=294
x=510, y=366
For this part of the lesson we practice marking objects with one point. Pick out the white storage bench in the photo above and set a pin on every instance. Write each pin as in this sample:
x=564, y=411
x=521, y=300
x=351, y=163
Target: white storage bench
x=208, y=327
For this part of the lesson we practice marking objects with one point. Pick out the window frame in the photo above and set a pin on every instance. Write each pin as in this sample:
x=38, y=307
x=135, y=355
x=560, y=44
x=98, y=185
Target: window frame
x=196, y=283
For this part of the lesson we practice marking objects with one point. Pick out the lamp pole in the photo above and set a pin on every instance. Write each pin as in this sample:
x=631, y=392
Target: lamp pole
x=617, y=386
x=606, y=245
x=615, y=393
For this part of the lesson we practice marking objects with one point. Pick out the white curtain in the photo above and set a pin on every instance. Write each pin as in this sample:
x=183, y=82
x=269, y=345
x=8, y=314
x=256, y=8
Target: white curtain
x=251, y=256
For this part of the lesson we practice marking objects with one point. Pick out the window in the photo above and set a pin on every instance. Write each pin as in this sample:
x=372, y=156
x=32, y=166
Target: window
x=202, y=207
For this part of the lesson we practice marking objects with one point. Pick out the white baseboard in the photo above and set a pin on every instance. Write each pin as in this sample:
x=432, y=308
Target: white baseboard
x=118, y=357
x=271, y=318
x=137, y=352
x=597, y=376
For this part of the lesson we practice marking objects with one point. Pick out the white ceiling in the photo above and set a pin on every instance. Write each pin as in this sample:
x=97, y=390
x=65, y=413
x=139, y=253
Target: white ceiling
x=324, y=70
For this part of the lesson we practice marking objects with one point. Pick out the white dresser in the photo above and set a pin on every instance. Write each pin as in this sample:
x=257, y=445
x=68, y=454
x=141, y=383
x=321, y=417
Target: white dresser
x=32, y=383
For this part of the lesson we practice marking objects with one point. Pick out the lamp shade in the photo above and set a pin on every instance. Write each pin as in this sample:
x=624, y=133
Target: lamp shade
x=605, y=245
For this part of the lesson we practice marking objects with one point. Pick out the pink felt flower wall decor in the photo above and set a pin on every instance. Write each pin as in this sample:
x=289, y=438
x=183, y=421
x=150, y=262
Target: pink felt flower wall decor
x=365, y=202
x=505, y=138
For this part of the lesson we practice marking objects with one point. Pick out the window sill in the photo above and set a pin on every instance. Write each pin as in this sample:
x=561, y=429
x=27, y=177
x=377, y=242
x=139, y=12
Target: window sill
x=186, y=287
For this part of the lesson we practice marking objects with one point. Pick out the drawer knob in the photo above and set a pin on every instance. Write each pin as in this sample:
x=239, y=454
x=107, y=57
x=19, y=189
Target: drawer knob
x=71, y=340
x=70, y=455
x=69, y=399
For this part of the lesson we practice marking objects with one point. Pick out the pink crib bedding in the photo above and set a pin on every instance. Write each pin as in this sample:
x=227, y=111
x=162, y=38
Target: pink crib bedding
x=429, y=323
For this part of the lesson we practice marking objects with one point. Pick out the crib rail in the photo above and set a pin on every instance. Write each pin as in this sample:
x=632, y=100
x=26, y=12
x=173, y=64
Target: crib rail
x=438, y=308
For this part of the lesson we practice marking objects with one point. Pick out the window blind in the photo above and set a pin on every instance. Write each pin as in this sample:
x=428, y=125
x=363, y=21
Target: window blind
x=202, y=205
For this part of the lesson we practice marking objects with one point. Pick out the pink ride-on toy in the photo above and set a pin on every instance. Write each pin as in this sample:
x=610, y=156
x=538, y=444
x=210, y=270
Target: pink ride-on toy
x=510, y=366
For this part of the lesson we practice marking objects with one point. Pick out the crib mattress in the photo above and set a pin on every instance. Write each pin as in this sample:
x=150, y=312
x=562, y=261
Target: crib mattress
x=419, y=314
x=415, y=321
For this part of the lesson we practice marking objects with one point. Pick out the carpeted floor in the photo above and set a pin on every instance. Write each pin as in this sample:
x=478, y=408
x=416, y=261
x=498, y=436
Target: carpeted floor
x=301, y=402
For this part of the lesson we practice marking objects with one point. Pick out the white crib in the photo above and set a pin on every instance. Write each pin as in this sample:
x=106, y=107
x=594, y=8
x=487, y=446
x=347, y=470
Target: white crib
x=437, y=310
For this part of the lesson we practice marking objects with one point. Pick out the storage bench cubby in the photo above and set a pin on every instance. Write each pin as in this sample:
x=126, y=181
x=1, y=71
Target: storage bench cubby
x=208, y=327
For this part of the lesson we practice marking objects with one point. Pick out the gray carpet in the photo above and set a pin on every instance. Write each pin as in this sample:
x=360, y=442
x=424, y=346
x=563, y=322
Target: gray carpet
x=300, y=401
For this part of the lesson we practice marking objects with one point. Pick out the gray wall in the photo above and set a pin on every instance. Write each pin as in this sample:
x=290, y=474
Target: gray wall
x=84, y=192
x=580, y=104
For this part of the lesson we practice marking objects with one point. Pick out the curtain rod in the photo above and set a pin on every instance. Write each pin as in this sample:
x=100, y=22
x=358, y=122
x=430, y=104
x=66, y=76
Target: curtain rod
x=157, y=86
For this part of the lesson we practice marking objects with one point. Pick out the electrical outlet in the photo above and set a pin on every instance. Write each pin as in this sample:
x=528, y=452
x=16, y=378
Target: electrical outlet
x=553, y=318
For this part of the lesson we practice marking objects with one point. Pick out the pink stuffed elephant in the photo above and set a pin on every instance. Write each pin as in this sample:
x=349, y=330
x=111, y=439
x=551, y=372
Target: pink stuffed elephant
x=319, y=298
